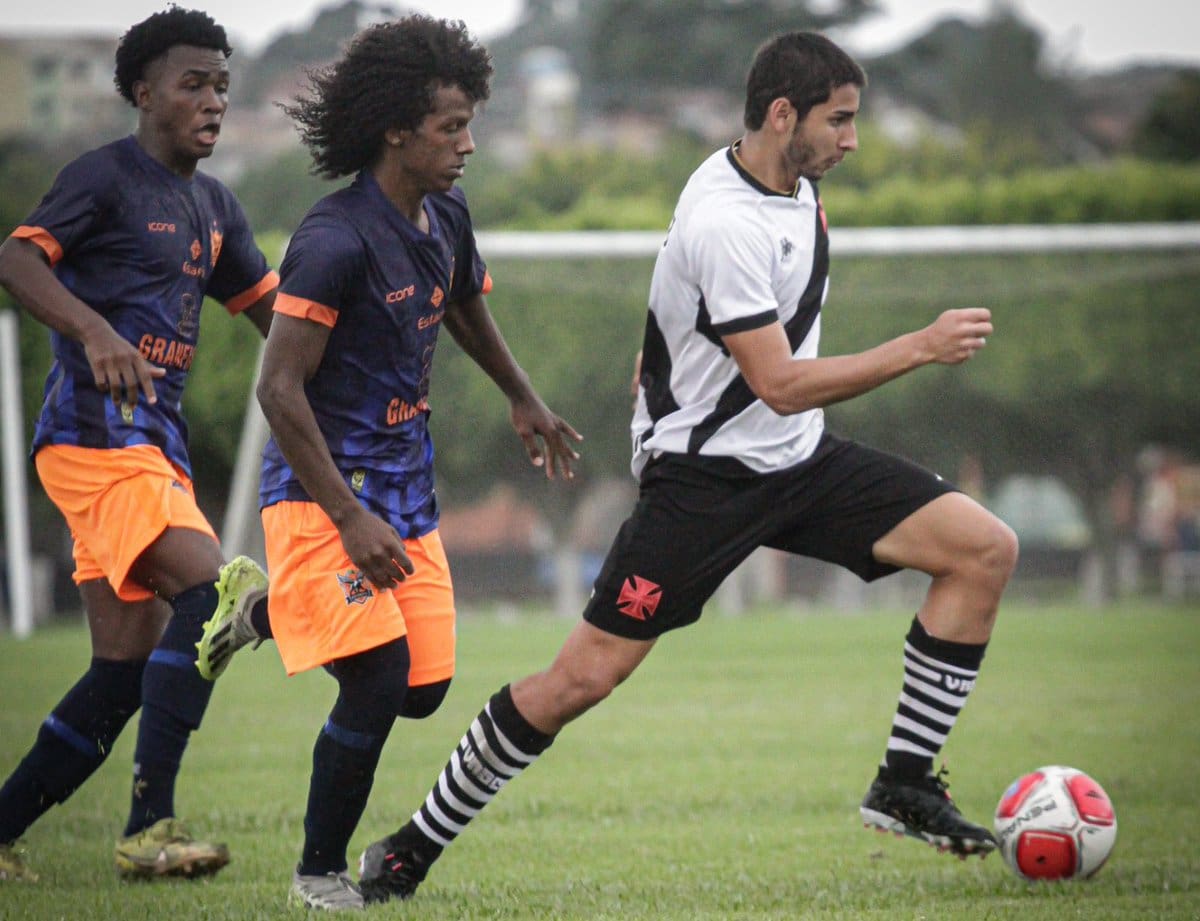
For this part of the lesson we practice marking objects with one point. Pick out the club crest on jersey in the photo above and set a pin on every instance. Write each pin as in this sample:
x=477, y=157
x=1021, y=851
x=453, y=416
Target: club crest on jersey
x=639, y=598
x=354, y=586
x=357, y=479
x=215, y=239
x=785, y=248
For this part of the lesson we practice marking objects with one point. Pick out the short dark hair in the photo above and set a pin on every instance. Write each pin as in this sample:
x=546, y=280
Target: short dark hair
x=158, y=34
x=386, y=79
x=802, y=67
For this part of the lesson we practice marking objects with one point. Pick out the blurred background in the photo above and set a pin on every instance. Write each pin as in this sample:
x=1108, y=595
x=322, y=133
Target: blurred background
x=1079, y=424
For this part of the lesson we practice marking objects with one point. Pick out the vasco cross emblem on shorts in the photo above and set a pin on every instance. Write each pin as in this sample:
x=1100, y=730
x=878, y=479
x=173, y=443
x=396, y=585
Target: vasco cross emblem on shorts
x=639, y=598
x=355, y=586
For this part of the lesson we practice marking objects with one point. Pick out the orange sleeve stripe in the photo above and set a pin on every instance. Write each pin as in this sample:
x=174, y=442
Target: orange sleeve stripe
x=487, y=283
x=42, y=238
x=269, y=283
x=303, y=309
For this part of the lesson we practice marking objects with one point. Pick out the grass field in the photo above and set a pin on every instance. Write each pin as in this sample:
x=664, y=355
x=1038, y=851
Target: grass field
x=722, y=781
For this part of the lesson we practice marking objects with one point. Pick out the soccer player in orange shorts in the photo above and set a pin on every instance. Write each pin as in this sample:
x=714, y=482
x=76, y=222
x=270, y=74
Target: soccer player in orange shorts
x=360, y=584
x=117, y=260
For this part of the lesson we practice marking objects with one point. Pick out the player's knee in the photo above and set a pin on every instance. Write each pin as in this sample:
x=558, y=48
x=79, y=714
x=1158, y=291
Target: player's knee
x=424, y=699
x=989, y=558
x=1000, y=550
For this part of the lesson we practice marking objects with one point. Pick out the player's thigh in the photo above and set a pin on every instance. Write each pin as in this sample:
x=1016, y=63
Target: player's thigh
x=178, y=559
x=426, y=600
x=122, y=630
x=838, y=507
x=689, y=530
x=941, y=535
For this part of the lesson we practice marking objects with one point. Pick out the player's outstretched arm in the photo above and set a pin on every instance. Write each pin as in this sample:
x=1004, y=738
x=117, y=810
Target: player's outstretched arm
x=116, y=364
x=546, y=436
x=793, y=385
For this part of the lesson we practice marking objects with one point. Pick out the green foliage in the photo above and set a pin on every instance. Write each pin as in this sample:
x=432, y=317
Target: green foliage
x=1171, y=129
x=277, y=194
x=1120, y=191
x=721, y=781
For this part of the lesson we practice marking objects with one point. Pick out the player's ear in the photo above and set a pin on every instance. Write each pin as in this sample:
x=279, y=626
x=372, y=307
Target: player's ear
x=141, y=93
x=781, y=115
x=394, y=137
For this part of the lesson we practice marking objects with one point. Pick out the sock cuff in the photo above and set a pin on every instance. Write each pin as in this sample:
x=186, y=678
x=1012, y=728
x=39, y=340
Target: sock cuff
x=961, y=655
x=518, y=730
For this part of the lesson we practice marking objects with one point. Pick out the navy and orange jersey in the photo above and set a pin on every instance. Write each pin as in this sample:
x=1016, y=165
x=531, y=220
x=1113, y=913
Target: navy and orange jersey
x=142, y=247
x=382, y=286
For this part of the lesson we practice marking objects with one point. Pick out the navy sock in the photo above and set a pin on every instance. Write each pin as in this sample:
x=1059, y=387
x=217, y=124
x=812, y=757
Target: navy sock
x=259, y=619
x=372, y=687
x=73, y=741
x=174, y=697
x=344, y=763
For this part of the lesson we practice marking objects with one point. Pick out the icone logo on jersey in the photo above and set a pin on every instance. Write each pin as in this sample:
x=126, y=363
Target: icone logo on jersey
x=160, y=227
x=395, y=297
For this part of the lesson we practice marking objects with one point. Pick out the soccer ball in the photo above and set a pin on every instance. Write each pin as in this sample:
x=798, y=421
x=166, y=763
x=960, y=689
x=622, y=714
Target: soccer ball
x=1055, y=823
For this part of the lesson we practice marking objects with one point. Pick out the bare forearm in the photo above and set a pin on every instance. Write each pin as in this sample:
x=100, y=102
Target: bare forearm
x=295, y=430
x=25, y=275
x=473, y=328
x=815, y=382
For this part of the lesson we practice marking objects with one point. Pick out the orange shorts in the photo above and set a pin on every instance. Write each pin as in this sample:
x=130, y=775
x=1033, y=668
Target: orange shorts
x=320, y=613
x=117, y=502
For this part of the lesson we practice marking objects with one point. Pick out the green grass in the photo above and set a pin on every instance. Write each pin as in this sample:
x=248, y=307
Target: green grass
x=722, y=781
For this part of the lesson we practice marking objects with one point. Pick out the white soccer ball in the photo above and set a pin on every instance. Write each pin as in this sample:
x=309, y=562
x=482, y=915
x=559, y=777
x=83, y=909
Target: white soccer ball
x=1055, y=823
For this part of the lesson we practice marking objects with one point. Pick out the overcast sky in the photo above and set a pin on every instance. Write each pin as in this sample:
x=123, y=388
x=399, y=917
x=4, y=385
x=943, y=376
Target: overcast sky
x=1087, y=34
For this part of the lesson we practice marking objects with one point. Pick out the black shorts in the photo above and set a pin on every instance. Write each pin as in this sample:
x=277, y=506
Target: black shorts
x=696, y=519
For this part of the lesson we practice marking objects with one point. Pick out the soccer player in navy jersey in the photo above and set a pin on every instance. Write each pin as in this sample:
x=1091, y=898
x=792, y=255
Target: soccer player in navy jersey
x=732, y=453
x=117, y=260
x=360, y=583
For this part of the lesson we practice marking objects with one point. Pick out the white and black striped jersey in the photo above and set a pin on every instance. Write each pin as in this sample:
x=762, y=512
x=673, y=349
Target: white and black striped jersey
x=738, y=256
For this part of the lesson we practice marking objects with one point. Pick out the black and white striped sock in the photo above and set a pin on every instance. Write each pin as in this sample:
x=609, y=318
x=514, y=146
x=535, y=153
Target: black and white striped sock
x=498, y=746
x=938, y=676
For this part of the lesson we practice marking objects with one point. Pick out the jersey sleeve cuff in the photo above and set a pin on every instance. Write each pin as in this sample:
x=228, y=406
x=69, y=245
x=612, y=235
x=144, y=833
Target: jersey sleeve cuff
x=302, y=309
x=745, y=324
x=44, y=241
x=269, y=282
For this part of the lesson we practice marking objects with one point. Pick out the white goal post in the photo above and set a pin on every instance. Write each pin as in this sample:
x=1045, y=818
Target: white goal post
x=242, y=531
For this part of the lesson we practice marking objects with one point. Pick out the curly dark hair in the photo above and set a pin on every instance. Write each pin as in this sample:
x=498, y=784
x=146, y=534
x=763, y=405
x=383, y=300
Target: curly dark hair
x=157, y=35
x=386, y=79
x=802, y=67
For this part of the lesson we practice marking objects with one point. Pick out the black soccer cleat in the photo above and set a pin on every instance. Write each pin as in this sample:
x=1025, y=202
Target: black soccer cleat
x=389, y=870
x=923, y=809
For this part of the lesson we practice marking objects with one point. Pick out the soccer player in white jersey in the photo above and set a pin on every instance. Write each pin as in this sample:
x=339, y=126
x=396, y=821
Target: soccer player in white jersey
x=731, y=450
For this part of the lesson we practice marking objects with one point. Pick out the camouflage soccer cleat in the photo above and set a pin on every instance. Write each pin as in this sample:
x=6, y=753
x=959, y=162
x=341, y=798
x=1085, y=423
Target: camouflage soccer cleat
x=12, y=865
x=241, y=585
x=166, y=849
x=327, y=892
x=387, y=870
x=923, y=809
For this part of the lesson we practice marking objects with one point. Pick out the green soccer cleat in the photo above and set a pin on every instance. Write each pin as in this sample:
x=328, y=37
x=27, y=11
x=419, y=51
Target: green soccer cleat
x=12, y=865
x=241, y=585
x=166, y=849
